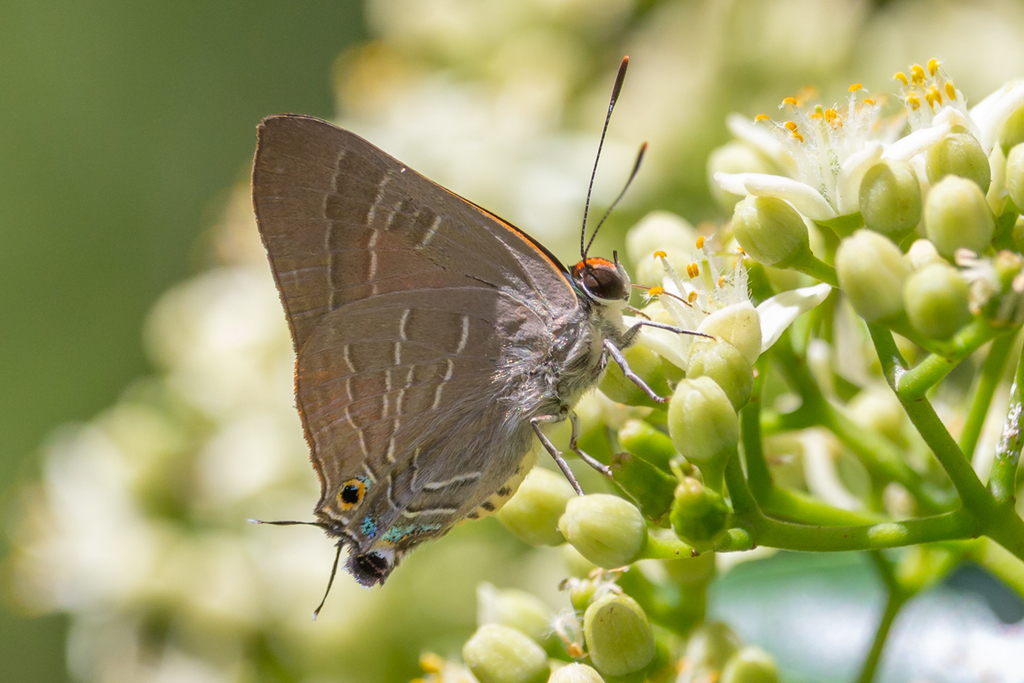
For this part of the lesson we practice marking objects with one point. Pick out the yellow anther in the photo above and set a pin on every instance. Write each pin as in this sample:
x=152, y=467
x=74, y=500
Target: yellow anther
x=855, y=87
x=791, y=125
x=762, y=117
x=817, y=115
x=431, y=663
x=799, y=138
x=655, y=291
x=830, y=115
x=660, y=254
x=789, y=100
x=913, y=100
x=700, y=242
x=692, y=270
x=950, y=90
x=868, y=100
x=901, y=77
x=933, y=66
x=691, y=297
x=933, y=96
x=721, y=281
x=917, y=74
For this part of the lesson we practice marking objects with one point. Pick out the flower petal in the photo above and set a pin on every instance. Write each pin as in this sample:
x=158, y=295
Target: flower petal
x=779, y=312
x=991, y=113
x=851, y=173
x=910, y=146
x=762, y=140
x=803, y=197
x=665, y=343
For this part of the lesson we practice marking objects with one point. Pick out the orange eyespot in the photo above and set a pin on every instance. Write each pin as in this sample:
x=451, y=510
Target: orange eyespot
x=351, y=494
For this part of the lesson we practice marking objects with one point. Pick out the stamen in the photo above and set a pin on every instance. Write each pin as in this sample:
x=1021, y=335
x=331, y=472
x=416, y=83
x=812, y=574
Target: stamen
x=655, y=291
x=692, y=270
x=721, y=281
x=789, y=100
x=660, y=254
x=761, y=117
x=700, y=242
x=799, y=138
x=431, y=663
x=950, y=90
x=855, y=87
x=933, y=66
x=914, y=101
x=691, y=297
x=901, y=77
x=917, y=74
x=868, y=100
x=791, y=125
x=933, y=96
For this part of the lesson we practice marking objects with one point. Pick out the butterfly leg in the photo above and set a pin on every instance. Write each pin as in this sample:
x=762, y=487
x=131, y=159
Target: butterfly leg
x=585, y=457
x=550, y=448
x=617, y=356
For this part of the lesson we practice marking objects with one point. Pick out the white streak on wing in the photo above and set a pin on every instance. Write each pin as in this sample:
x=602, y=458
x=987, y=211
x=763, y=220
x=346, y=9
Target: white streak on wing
x=370, y=246
x=391, y=442
x=348, y=361
x=415, y=467
x=430, y=233
x=461, y=479
x=465, y=336
x=369, y=473
x=401, y=336
x=440, y=387
x=376, y=202
x=412, y=514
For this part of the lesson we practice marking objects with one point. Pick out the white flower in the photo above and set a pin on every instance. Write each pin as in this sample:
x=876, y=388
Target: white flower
x=712, y=297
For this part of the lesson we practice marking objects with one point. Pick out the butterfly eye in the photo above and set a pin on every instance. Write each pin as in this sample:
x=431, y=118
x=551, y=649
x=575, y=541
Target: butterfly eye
x=351, y=493
x=601, y=279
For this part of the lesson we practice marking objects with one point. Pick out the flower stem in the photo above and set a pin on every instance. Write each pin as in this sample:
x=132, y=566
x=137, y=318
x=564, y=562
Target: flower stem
x=816, y=268
x=914, y=383
x=988, y=380
x=1002, y=480
x=896, y=598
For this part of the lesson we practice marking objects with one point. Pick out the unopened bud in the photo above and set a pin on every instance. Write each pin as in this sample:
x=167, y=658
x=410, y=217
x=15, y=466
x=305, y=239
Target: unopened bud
x=533, y=512
x=515, y=608
x=707, y=650
x=1015, y=175
x=890, y=199
x=770, y=231
x=619, y=637
x=959, y=154
x=607, y=530
x=871, y=273
x=957, y=216
x=576, y=673
x=936, y=298
x=647, y=365
x=720, y=361
x=659, y=231
x=750, y=665
x=644, y=440
x=740, y=325
x=921, y=253
x=500, y=654
x=1012, y=132
x=698, y=513
x=704, y=427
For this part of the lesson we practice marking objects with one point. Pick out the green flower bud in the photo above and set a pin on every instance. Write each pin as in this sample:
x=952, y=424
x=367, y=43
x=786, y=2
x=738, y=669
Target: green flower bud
x=890, y=199
x=581, y=592
x=1017, y=233
x=659, y=231
x=959, y=154
x=645, y=363
x=1012, y=132
x=704, y=427
x=650, y=487
x=514, y=608
x=708, y=649
x=771, y=231
x=500, y=654
x=1015, y=175
x=619, y=637
x=733, y=157
x=936, y=300
x=575, y=564
x=956, y=215
x=532, y=513
x=698, y=513
x=871, y=273
x=740, y=325
x=722, y=362
x=607, y=530
x=576, y=673
x=644, y=440
x=750, y=665
x=921, y=253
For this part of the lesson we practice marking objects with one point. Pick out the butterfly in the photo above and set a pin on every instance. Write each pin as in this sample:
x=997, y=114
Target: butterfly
x=433, y=339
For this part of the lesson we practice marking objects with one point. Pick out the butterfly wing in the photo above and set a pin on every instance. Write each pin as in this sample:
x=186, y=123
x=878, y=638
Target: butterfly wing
x=407, y=305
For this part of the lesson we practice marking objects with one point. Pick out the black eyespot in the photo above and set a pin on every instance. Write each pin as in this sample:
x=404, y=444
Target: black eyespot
x=350, y=494
x=601, y=279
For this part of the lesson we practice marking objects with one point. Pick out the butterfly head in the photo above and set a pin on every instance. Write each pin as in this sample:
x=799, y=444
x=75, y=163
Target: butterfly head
x=602, y=281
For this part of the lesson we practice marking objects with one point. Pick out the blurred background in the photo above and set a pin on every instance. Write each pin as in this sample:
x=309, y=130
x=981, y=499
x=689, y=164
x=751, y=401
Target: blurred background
x=126, y=133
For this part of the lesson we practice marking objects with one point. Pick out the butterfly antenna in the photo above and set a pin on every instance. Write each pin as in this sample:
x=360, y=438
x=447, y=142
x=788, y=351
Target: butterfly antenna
x=636, y=167
x=608, y=117
x=286, y=522
x=330, y=582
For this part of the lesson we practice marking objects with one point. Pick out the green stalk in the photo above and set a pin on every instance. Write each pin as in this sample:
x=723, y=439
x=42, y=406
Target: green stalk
x=1002, y=480
x=988, y=380
x=896, y=597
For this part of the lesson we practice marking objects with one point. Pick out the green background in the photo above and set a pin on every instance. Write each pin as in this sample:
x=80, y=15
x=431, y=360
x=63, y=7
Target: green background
x=122, y=127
